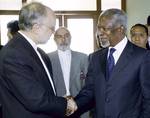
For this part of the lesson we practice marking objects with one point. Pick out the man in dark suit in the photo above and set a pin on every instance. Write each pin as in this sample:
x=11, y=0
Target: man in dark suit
x=0, y=100
x=121, y=90
x=13, y=28
x=148, y=26
x=26, y=85
x=139, y=35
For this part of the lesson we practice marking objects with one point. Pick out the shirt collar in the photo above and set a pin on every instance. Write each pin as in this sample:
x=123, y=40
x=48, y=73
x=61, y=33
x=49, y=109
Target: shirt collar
x=64, y=52
x=33, y=44
x=121, y=45
x=149, y=40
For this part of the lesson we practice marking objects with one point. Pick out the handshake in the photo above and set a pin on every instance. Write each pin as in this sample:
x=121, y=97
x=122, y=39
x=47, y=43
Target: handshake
x=71, y=105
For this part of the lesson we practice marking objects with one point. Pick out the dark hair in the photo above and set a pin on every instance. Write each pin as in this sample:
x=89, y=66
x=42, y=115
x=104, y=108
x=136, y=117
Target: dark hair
x=140, y=25
x=13, y=26
x=148, y=20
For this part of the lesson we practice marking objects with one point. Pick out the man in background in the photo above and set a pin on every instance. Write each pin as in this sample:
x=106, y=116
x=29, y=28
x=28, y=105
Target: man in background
x=139, y=35
x=26, y=84
x=69, y=67
x=0, y=40
x=148, y=26
x=13, y=28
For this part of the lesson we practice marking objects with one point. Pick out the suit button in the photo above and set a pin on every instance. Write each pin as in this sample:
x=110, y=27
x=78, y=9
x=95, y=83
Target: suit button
x=107, y=100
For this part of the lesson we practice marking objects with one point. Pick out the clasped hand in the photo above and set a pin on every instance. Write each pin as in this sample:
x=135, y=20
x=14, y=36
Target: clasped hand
x=71, y=106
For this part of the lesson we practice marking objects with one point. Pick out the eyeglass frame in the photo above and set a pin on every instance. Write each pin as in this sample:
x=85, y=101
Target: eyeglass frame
x=66, y=35
x=106, y=29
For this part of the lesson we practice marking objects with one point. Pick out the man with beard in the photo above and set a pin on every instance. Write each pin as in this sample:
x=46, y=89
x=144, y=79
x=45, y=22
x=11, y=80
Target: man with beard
x=118, y=78
x=69, y=67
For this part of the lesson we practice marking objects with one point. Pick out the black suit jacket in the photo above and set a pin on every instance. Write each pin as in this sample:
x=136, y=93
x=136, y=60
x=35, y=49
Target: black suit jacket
x=1, y=47
x=127, y=92
x=24, y=85
x=147, y=46
x=0, y=97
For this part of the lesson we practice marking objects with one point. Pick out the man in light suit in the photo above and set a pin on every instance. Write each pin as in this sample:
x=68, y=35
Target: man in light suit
x=26, y=86
x=69, y=67
x=123, y=92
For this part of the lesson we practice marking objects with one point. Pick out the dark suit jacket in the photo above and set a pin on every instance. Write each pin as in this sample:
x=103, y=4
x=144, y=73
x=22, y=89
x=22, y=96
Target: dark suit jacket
x=0, y=97
x=147, y=46
x=127, y=92
x=0, y=108
x=1, y=47
x=24, y=86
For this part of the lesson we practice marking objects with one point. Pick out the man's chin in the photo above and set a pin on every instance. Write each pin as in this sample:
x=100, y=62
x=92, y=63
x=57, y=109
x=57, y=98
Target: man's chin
x=105, y=44
x=63, y=48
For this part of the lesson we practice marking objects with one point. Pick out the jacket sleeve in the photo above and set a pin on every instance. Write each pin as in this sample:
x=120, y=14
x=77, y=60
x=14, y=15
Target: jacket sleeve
x=85, y=98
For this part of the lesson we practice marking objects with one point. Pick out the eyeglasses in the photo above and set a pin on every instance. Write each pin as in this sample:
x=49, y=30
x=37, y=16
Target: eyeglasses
x=67, y=35
x=106, y=29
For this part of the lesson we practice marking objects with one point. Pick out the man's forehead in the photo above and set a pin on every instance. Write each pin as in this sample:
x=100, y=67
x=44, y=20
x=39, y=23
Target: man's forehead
x=62, y=31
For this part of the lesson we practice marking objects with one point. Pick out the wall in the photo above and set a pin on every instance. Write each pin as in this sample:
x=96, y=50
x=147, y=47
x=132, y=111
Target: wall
x=137, y=12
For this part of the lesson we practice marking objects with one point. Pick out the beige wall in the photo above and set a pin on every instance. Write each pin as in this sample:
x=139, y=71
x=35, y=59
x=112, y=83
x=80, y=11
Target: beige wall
x=137, y=12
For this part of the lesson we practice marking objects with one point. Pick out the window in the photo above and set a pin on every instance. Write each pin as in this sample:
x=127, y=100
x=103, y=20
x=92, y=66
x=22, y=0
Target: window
x=82, y=33
x=106, y=4
x=10, y=4
x=70, y=5
x=80, y=17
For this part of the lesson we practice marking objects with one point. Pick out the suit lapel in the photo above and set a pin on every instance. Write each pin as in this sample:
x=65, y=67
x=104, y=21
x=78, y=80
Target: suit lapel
x=73, y=61
x=46, y=61
x=59, y=80
x=123, y=61
x=102, y=61
x=58, y=65
x=26, y=46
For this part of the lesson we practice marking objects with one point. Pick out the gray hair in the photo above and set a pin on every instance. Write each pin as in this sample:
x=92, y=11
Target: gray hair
x=30, y=14
x=61, y=28
x=118, y=17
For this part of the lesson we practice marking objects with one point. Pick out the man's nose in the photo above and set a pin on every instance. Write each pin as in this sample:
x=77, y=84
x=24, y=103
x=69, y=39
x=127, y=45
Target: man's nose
x=137, y=38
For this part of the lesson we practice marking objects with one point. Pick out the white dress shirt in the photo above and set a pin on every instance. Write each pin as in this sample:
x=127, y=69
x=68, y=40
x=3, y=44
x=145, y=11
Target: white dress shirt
x=119, y=49
x=65, y=61
x=39, y=55
x=149, y=40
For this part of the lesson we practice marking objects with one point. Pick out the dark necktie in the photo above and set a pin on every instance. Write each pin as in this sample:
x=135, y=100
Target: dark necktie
x=110, y=61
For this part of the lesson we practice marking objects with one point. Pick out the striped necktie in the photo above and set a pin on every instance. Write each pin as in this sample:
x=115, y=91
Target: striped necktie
x=110, y=61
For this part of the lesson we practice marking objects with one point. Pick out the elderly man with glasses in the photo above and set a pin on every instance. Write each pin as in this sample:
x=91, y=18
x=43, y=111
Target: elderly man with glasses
x=69, y=67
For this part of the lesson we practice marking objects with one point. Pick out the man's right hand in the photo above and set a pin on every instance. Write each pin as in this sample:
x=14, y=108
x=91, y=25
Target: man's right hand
x=71, y=106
